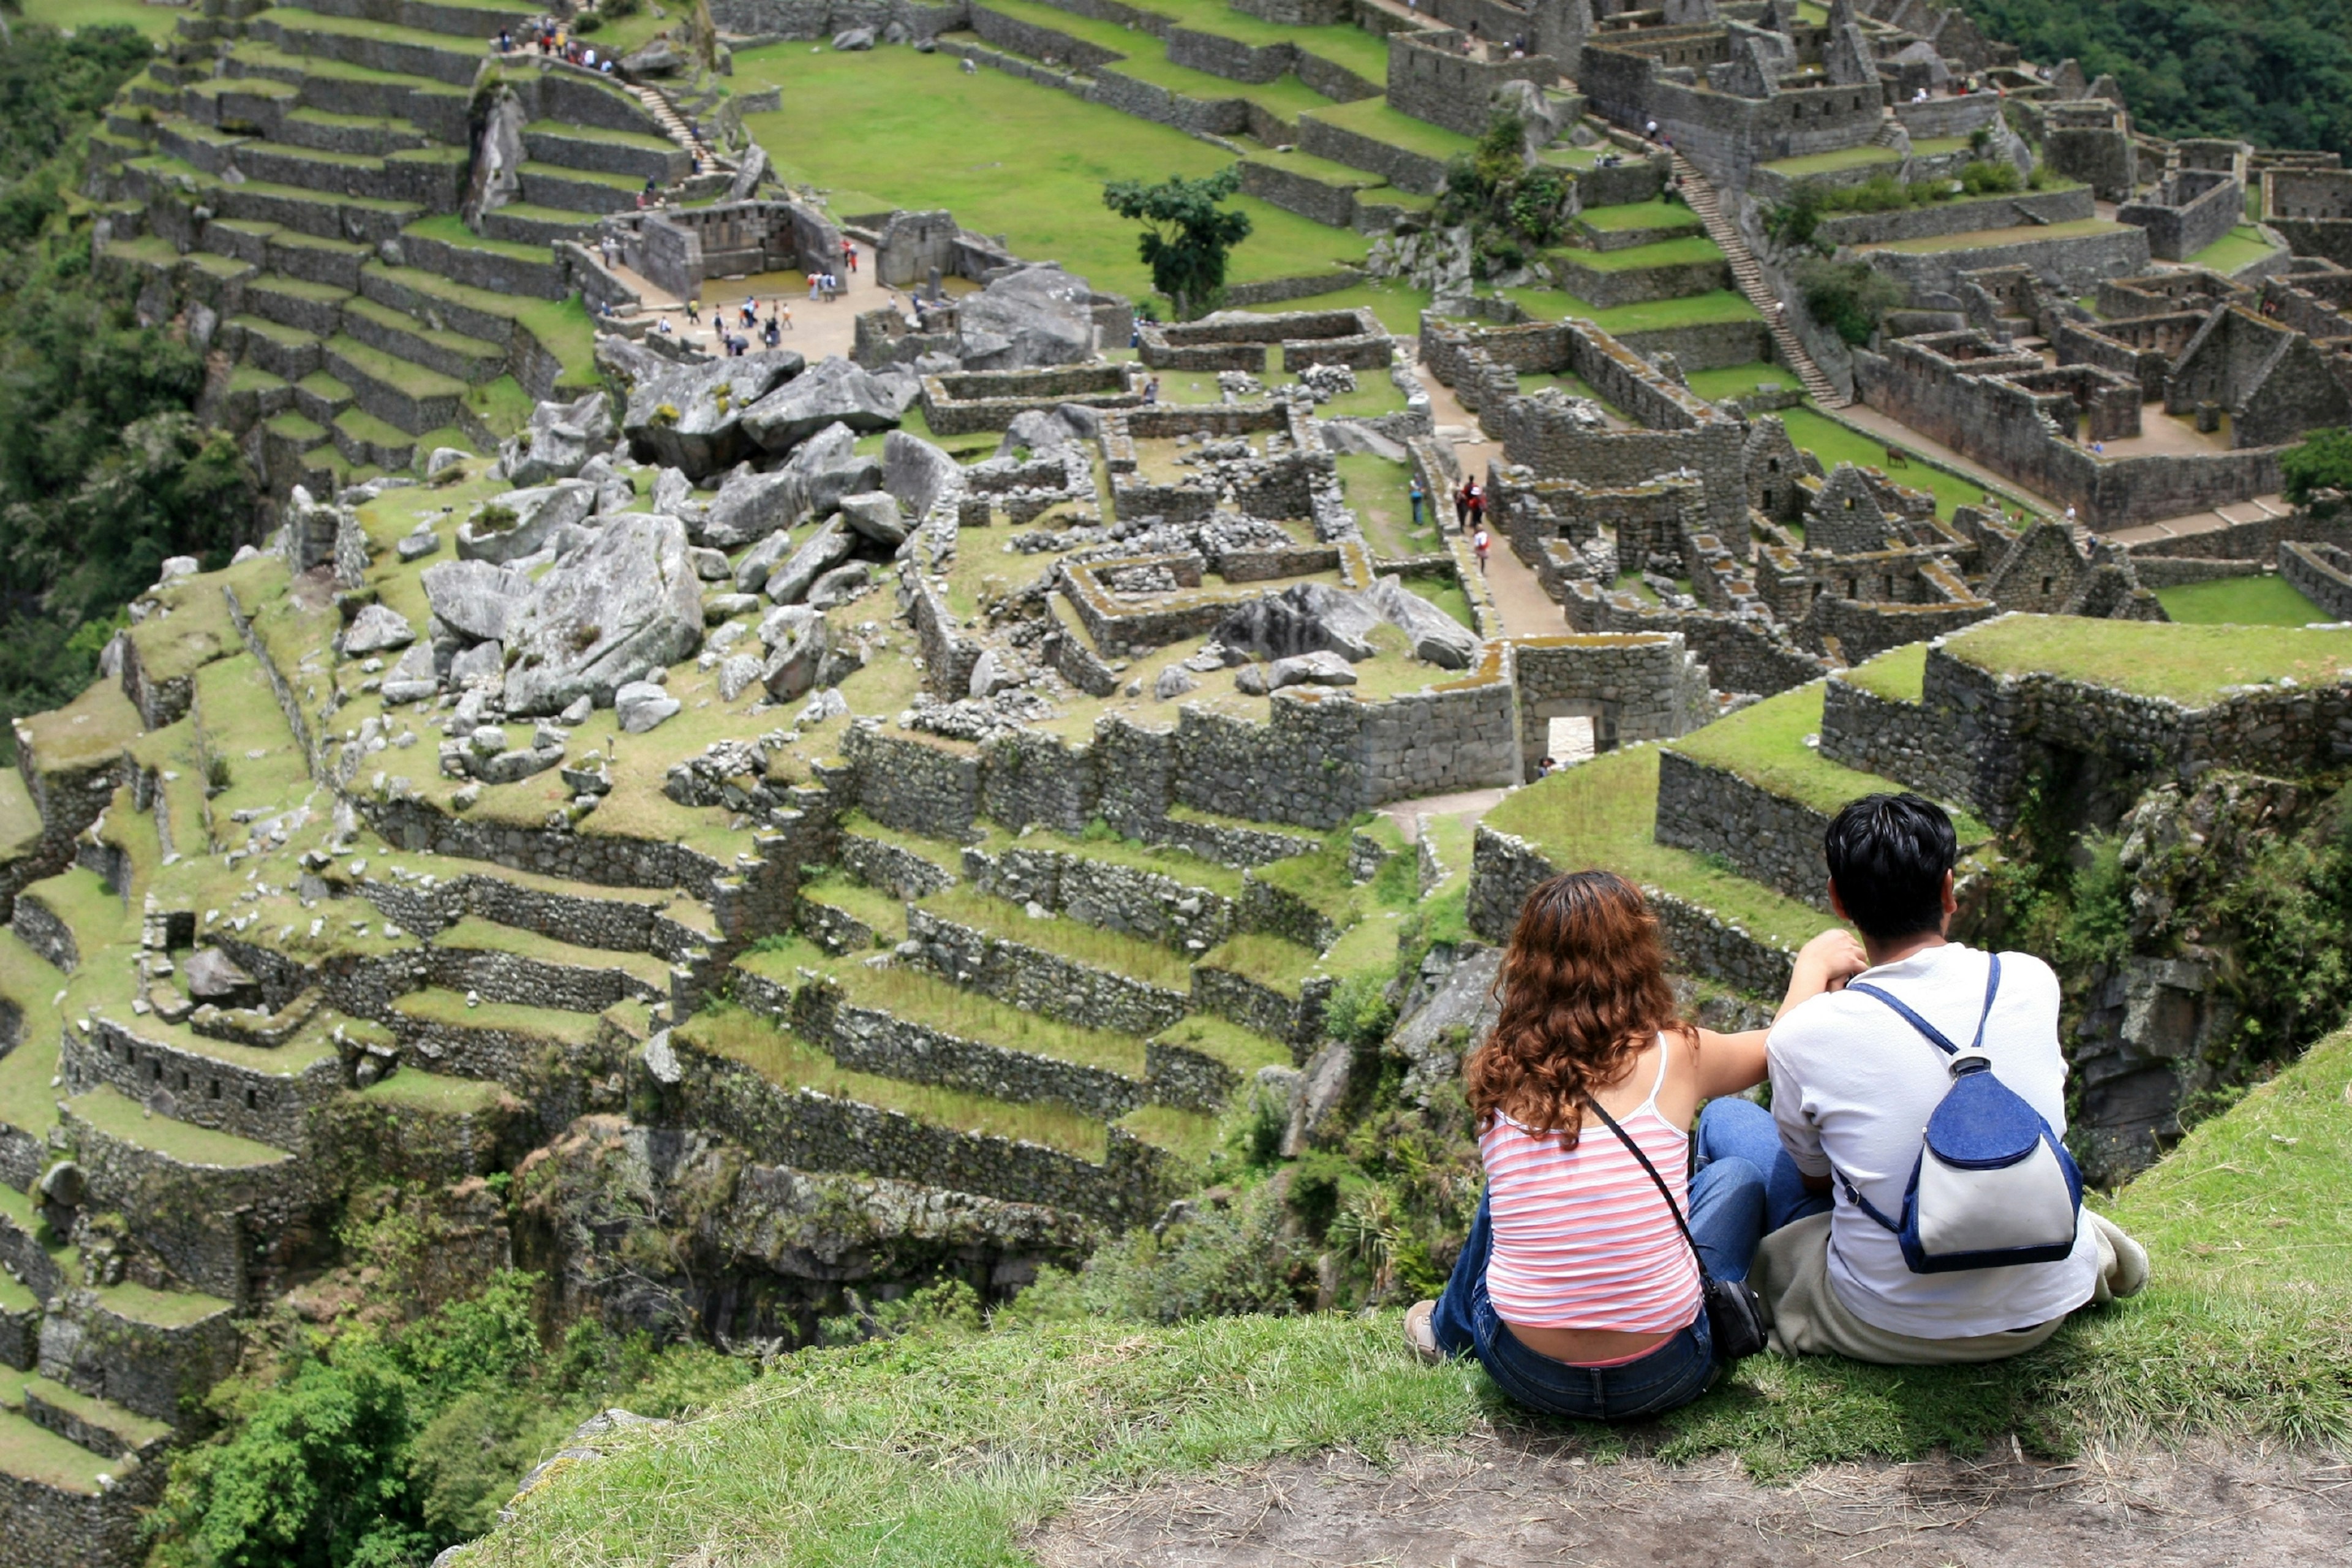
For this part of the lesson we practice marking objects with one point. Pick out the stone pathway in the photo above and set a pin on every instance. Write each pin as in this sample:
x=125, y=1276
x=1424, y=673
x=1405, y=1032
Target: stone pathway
x=1525, y=610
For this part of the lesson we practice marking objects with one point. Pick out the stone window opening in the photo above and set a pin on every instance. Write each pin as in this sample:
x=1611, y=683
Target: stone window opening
x=2048, y=584
x=212, y=1089
x=252, y=1099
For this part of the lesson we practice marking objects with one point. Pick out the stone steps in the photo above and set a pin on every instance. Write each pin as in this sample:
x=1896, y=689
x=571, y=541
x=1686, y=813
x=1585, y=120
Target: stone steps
x=673, y=124
x=1749, y=278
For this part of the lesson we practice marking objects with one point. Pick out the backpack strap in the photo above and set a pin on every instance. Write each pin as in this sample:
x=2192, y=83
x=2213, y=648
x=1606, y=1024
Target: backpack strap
x=1672, y=1208
x=1935, y=1037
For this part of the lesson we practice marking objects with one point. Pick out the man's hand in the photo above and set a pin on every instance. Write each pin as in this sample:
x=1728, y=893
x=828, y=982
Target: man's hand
x=1824, y=964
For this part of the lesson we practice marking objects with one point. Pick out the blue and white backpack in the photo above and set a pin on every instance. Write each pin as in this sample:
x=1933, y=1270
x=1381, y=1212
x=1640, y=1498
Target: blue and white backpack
x=1993, y=1185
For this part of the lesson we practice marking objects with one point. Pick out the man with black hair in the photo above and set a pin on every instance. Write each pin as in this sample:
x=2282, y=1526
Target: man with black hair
x=1853, y=1084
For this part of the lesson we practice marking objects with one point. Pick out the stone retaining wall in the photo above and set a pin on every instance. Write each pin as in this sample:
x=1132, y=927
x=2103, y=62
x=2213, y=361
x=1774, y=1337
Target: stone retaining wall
x=1416, y=173
x=187, y=1086
x=2323, y=572
x=1768, y=838
x=1960, y=217
x=159, y=1371
x=1297, y=1021
x=1506, y=868
x=810, y=1131
x=1148, y=906
x=61, y=1529
x=1039, y=981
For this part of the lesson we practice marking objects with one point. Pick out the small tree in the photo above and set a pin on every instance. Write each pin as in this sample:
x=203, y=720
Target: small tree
x=1849, y=298
x=2324, y=461
x=1190, y=235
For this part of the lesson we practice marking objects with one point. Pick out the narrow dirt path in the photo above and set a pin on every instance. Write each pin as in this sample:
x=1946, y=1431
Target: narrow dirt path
x=1506, y=1500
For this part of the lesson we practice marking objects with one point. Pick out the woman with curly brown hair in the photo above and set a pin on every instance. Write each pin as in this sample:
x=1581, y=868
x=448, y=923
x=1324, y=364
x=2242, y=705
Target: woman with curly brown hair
x=1577, y=1288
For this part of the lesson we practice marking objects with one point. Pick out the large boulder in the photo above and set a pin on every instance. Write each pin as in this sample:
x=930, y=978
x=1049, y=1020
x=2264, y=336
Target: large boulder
x=834, y=392
x=377, y=628
x=562, y=437
x=796, y=638
x=827, y=466
x=750, y=506
x=518, y=523
x=626, y=602
x=1437, y=637
x=473, y=600
x=875, y=515
x=691, y=416
x=1031, y=317
x=916, y=472
x=1306, y=617
x=828, y=547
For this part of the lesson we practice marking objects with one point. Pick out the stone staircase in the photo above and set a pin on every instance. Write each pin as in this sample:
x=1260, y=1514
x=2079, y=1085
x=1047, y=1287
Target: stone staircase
x=674, y=125
x=297, y=171
x=1701, y=196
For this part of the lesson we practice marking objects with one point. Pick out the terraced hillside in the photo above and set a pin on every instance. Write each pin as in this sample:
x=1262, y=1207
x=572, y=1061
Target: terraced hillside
x=300, y=173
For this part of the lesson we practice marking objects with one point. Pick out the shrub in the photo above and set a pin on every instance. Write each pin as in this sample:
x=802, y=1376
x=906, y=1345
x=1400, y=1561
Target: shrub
x=1991, y=179
x=1850, y=297
x=2324, y=461
x=587, y=22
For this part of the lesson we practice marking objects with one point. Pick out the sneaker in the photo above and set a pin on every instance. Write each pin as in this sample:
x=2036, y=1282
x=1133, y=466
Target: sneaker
x=1421, y=1335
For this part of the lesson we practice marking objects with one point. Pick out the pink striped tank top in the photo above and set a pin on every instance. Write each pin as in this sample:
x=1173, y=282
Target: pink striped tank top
x=1581, y=1238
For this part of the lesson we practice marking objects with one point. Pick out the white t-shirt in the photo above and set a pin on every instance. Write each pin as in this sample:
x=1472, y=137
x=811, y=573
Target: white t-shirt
x=1853, y=1086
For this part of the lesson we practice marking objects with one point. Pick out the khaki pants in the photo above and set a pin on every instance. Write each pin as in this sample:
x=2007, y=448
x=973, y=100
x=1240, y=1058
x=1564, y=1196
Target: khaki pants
x=1791, y=1275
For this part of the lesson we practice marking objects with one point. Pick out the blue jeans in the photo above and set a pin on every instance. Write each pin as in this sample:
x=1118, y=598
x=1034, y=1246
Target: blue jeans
x=1742, y=1130
x=1726, y=1213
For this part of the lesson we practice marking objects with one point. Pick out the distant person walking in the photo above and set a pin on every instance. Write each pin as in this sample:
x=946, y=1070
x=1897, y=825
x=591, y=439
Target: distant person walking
x=1479, y=542
x=1417, y=500
x=1462, y=504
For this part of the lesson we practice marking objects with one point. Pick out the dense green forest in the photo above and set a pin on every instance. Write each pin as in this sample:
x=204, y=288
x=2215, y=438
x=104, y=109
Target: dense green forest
x=103, y=472
x=2277, y=73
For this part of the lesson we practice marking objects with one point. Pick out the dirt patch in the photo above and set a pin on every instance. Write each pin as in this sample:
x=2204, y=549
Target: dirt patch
x=1500, y=1499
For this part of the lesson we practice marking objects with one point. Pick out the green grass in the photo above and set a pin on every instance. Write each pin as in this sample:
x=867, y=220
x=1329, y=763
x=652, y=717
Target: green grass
x=1685, y=251
x=1765, y=744
x=475, y=934
x=1739, y=380
x=155, y=21
x=1271, y=962
x=36, y=1453
x=790, y=1062
x=1158, y=860
x=1899, y=675
x=1658, y=213
x=883, y=914
x=1397, y=305
x=1692, y=309
x=120, y=1117
x=1008, y=156
x=2241, y=247
x=164, y=1309
x=20, y=819
x=410, y=1089
x=921, y=997
x=1834, y=443
x=1352, y=48
x=1244, y=1050
x=1067, y=938
x=447, y=1008
x=1833, y=163
x=2076, y=229
x=95, y=725
x=1190, y=1135
x=2264, y=601
x=1380, y=491
x=1372, y=117
x=945, y=1446
x=2192, y=664
x=132, y=1429
x=1600, y=814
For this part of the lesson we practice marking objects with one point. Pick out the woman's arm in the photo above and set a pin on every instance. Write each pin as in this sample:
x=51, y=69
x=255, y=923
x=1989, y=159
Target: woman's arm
x=1824, y=964
x=1731, y=1064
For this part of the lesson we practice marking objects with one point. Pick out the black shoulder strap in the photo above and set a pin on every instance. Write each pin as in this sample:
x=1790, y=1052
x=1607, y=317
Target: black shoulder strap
x=1672, y=1208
